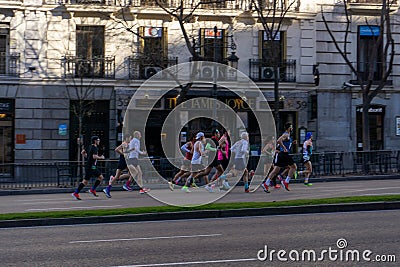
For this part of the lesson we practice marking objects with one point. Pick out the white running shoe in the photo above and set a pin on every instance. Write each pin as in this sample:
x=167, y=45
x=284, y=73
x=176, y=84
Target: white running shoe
x=225, y=185
x=171, y=186
x=209, y=189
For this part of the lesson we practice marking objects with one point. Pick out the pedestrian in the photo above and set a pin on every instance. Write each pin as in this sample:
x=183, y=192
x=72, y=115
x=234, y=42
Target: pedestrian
x=224, y=154
x=307, y=151
x=184, y=171
x=91, y=169
x=212, y=162
x=241, y=151
x=283, y=159
x=267, y=157
x=133, y=162
x=196, y=162
x=121, y=167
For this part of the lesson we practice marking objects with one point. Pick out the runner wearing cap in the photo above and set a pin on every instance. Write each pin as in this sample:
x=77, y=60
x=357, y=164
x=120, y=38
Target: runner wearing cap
x=307, y=151
x=198, y=153
x=213, y=162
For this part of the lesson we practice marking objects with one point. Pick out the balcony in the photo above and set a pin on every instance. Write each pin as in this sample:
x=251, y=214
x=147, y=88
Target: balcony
x=143, y=67
x=88, y=68
x=263, y=71
x=369, y=7
x=187, y=4
x=9, y=64
x=394, y=2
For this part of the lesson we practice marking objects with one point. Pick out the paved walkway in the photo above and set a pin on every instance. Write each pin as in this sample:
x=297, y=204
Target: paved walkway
x=123, y=199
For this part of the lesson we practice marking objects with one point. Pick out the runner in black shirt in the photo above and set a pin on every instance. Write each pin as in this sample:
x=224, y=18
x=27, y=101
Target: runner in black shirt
x=90, y=169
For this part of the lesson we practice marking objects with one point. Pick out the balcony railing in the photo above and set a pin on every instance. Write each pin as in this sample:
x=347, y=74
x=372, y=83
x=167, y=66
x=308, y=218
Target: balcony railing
x=262, y=70
x=9, y=64
x=187, y=4
x=143, y=67
x=88, y=68
x=394, y=2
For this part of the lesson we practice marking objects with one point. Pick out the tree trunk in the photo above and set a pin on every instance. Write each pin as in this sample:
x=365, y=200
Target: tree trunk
x=365, y=134
x=365, y=123
x=276, y=103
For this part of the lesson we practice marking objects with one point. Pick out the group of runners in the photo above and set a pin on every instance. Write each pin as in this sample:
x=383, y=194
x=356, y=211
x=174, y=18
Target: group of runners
x=283, y=163
x=218, y=150
x=130, y=147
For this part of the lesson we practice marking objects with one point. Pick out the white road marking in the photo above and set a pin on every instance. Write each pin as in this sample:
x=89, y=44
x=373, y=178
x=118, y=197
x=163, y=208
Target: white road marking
x=47, y=202
x=142, y=238
x=75, y=208
x=190, y=262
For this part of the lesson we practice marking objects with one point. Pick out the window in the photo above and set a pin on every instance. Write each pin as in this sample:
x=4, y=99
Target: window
x=90, y=51
x=213, y=45
x=153, y=50
x=271, y=47
x=367, y=46
x=90, y=42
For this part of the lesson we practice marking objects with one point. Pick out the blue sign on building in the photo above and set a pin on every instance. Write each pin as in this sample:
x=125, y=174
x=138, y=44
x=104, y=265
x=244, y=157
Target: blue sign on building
x=369, y=30
x=62, y=129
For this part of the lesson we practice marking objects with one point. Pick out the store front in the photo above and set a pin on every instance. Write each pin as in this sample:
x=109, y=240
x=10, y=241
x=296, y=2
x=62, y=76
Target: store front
x=376, y=114
x=6, y=135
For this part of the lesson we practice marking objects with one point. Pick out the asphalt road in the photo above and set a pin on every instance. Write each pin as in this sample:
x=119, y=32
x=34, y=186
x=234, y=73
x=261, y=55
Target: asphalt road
x=211, y=242
x=121, y=199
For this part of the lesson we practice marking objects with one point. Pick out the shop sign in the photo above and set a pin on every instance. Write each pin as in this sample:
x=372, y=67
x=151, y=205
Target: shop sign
x=20, y=139
x=207, y=103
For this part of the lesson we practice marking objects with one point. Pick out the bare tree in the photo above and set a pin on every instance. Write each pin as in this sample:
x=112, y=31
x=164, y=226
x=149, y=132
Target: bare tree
x=381, y=54
x=271, y=15
x=184, y=12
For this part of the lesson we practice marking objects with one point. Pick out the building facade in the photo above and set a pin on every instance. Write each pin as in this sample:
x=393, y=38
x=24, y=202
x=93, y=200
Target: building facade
x=60, y=60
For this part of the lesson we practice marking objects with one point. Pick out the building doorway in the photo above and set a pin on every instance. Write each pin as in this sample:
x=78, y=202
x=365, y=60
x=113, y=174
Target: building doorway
x=95, y=123
x=376, y=114
x=6, y=136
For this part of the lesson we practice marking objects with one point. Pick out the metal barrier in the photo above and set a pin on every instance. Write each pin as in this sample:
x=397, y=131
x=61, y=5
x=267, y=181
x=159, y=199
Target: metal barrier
x=69, y=173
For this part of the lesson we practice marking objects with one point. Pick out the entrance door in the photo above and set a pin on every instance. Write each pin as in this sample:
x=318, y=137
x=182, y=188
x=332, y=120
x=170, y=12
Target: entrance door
x=96, y=122
x=6, y=136
x=376, y=116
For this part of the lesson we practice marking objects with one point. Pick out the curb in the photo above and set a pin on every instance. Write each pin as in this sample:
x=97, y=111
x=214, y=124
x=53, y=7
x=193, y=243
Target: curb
x=203, y=214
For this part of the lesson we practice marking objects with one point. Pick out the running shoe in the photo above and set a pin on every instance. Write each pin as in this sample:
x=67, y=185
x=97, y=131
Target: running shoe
x=247, y=190
x=251, y=174
x=144, y=190
x=171, y=186
x=277, y=186
x=127, y=187
x=194, y=185
x=285, y=185
x=111, y=178
x=225, y=185
x=177, y=181
x=76, y=196
x=308, y=184
x=185, y=189
x=93, y=192
x=209, y=189
x=265, y=187
x=280, y=178
x=107, y=192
